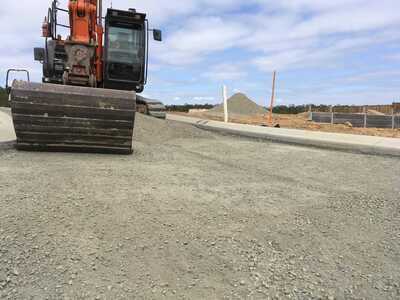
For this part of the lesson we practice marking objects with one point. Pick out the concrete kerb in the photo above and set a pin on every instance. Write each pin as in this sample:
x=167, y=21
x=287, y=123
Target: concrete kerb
x=325, y=143
x=374, y=150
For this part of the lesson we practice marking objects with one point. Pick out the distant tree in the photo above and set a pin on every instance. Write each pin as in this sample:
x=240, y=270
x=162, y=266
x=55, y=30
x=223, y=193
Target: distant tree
x=3, y=98
x=186, y=107
x=290, y=109
x=280, y=109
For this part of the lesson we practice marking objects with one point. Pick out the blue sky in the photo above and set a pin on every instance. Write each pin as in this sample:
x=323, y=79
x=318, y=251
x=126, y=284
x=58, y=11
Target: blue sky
x=330, y=52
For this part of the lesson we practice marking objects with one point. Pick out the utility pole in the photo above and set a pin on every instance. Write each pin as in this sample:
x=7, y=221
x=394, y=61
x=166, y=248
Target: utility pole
x=271, y=107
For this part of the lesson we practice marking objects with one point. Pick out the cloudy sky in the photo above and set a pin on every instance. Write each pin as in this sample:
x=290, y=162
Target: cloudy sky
x=332, y=52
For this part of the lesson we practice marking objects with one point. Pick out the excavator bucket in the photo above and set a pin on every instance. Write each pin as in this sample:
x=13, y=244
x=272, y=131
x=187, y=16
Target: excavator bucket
x=49, y=117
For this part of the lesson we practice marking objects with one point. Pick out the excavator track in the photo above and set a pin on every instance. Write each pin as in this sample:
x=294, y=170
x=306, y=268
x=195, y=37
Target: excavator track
x=151, y=107
x=50, y=117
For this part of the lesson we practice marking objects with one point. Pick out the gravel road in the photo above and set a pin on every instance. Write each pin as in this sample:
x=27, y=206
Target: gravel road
x=196, y=215
x=6, y=110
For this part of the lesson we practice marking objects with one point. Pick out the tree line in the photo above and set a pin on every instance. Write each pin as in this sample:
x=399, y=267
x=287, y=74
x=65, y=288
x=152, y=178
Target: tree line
x=186, y=107
x=280, y=109
x=298, y=109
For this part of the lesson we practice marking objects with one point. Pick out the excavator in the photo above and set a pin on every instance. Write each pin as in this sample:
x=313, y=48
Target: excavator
x=88, y=96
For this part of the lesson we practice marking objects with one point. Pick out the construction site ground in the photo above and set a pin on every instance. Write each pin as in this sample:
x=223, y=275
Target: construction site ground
x=197, y=215
x=299, y=121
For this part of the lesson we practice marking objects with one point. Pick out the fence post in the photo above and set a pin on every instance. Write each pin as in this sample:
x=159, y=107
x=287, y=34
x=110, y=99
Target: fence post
x=393, y=119
x=365, y=117
x=225, y=97
x=332, y=114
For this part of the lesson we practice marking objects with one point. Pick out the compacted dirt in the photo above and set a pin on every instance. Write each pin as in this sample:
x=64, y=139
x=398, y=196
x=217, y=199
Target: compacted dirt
x=195, y=215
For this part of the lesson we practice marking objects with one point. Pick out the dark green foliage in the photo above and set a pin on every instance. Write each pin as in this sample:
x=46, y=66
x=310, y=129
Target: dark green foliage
x=187, y=107
x=280, y=109
x=298, y=109
x=3, y=98
x=291, y=109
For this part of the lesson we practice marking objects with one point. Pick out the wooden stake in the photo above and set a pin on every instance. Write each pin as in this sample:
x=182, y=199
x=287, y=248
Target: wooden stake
x=225, y=97
x=271, y=107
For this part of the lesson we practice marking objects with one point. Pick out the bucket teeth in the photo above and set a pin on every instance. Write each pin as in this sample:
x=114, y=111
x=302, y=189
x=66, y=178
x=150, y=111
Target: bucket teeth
x=50, y=117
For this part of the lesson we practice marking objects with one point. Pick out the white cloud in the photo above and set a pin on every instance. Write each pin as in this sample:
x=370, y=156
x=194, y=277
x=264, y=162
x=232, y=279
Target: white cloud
x=202, y=98
x=393, y=57
x=278, y=34
x=226, y=72
x=386, y=75
x=200, y=34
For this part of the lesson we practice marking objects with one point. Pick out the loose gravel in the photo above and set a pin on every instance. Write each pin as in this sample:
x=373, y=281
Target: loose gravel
x=195, y=215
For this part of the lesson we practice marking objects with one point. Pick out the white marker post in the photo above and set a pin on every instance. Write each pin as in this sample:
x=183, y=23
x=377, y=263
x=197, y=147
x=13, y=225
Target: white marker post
x=225, y=97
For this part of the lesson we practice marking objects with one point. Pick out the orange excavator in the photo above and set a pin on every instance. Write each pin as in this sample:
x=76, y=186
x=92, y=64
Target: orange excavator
x=88, y=96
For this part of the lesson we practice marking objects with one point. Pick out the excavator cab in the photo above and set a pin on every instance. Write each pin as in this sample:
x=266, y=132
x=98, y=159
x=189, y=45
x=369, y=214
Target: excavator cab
x=125, y=50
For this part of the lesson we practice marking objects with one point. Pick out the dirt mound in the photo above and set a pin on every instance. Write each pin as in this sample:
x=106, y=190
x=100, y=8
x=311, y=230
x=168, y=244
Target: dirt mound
x=239, y=104
x=375, y=112
x=304, y=115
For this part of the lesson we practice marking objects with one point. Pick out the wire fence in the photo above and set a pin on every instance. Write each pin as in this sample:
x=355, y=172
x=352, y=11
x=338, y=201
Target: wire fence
x=364, y=120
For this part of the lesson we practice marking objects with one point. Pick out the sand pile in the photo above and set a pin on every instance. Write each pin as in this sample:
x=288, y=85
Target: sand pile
x=239, y=104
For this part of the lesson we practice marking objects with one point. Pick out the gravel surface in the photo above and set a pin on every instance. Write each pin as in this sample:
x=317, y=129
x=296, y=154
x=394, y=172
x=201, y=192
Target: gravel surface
x=6, y=110
x=195, y=215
